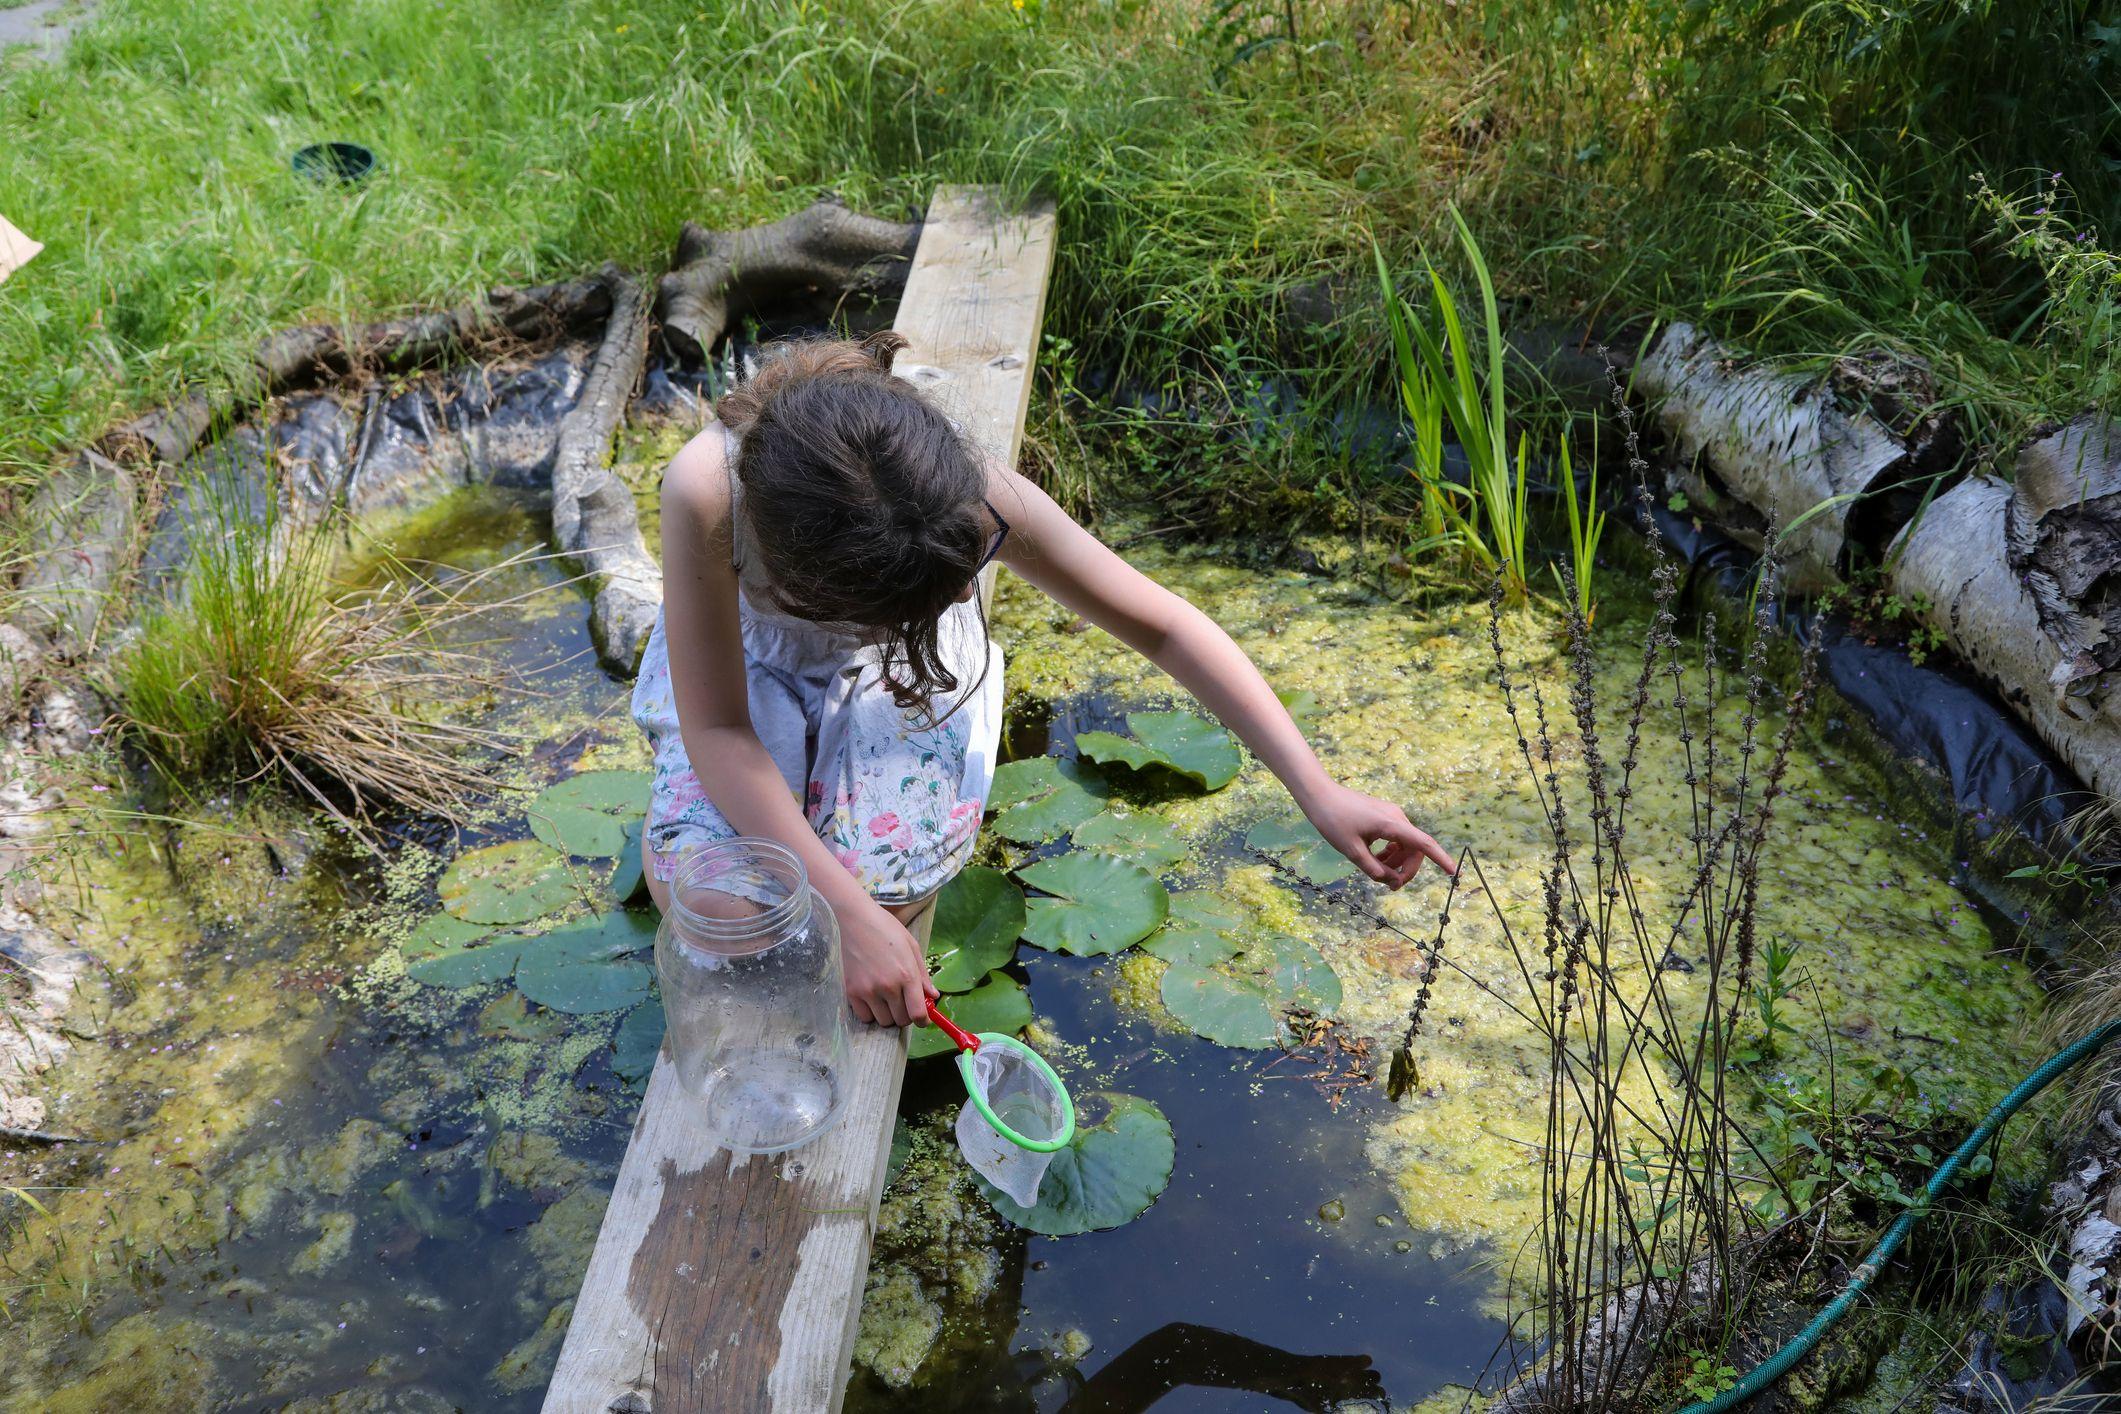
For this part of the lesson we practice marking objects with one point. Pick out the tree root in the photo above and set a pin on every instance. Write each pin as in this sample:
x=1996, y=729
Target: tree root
x=593, y=514
x=716, y=275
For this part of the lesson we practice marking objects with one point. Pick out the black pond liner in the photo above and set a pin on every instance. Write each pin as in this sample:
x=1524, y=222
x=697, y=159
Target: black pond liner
x=342, y=162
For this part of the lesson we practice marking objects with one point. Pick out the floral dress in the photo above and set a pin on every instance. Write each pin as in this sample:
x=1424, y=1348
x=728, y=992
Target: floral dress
x=894, y=795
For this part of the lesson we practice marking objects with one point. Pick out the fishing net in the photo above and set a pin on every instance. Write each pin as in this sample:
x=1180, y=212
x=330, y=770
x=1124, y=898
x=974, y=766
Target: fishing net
x=1017, y=1116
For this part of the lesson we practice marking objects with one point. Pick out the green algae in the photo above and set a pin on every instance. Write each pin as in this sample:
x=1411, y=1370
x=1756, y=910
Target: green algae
x=1404, y=706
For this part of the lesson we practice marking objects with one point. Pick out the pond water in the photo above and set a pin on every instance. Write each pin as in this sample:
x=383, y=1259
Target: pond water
x=320, y=1184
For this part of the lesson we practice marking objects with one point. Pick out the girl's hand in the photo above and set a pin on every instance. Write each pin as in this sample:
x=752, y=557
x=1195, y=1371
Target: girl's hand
x=1354, y=824
x=886, y=971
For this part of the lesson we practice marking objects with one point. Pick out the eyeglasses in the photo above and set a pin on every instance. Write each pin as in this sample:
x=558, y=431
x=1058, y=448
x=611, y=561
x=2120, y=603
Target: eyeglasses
x=994, y=546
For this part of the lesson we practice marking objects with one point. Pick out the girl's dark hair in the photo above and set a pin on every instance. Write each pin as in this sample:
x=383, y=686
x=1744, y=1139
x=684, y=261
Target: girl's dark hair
x=865, y=505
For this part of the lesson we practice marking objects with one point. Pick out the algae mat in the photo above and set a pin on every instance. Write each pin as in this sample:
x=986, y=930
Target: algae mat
x=324, y=1182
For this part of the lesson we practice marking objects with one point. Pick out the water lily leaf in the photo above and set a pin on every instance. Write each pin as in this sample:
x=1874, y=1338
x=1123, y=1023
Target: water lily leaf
x=507, y=883
x=582, y=985
x=1298, y=845
x=508, y=1016
x=1185, y=742
x=978, y=917
x=629, y=881
x=445, y=951
x=1302, y=704
x=587, y=814
x=1044, y=798
x=635, y=1043
x=1293, y=971
x=1144, y=839
x=997, y=1004
x=1232, y=1011
x=1099, y=904
x=1199, y=930
x=1107, y=1176
x=617, y=933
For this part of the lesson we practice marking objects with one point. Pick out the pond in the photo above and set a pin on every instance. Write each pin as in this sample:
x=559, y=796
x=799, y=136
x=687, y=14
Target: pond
x=318, y=1183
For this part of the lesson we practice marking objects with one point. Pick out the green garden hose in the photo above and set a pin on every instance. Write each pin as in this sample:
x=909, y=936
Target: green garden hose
x=1775, y=1366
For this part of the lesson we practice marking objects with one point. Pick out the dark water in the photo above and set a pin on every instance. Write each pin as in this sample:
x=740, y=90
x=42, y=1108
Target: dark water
x=467, y=1168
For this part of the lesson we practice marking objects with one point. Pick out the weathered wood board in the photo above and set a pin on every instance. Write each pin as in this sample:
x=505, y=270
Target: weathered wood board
x=734, y=1287
x=16, y=249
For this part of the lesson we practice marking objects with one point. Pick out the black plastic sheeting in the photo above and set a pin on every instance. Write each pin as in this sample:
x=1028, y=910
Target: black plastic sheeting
x=383, y=449
x=1938, y=717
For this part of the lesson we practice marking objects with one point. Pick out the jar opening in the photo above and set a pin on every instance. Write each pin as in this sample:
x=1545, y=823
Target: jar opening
x=738, y=896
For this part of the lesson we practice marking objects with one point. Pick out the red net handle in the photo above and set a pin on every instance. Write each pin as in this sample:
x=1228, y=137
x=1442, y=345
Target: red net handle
x=966, y=1041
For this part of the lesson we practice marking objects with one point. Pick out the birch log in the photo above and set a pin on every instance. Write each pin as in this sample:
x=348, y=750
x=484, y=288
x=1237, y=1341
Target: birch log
x=1811, y=456
x=1955, y=567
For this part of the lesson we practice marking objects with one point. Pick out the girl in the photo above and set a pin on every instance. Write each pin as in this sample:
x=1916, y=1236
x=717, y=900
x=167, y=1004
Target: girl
x=821, y=674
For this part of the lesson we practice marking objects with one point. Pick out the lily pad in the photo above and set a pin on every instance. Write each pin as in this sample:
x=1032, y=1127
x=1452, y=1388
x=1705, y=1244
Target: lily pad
x=978, y=917
x=1044, y=798
x=1302, y=704
x=998, y=1004
x=581, y=986
x=635, y=1043
x=1099, y=904
x=583, y=968
x=1184, y=742
x=1107, y=1176
x=507, y=883
x=509, y=1016
x=1299, y=846
x=1199, y=930
x=445, y=951
x=1144, y=839
x=1294, y=971
x=587, y=814
x=1232, y=1011
x=629, y=881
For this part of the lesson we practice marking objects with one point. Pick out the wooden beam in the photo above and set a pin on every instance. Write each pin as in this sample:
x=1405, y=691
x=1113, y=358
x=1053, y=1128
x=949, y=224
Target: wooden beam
x=16, y=249
x=734, y=1286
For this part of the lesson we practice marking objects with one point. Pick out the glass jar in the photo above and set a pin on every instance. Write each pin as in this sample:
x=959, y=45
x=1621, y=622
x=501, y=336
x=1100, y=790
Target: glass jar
x=749, y=960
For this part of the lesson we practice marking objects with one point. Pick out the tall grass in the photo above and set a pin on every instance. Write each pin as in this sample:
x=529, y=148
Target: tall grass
x=261, y=668
x=1614, y=156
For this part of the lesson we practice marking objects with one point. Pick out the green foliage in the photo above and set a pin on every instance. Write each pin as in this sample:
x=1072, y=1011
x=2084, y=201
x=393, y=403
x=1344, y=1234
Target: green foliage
x=1231, y=1011
x=1201, y=930
x=1296, y=843
x=1586, y=528
x=587, y=967
x=1094, y=904
x=1107, y=1176
x=1181, y=742
x=1438, y=381
x=978, y=917
x=1137, y=837
x=998, y=1004
x=1706, y=1375
x=588, y=815
x=635, y=1043
x=513, y=882
x=1044, y=798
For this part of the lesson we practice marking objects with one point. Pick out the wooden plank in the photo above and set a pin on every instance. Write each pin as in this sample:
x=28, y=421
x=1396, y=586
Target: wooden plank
x=974, y=298
x=16, y=249
x=719, y=1285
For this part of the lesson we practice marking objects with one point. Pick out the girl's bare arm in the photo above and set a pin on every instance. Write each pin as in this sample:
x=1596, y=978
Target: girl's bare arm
x=1049, y=549
x=887, y=976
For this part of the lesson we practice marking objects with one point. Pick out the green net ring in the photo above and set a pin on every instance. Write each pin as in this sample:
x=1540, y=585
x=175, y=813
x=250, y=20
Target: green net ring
x=1039, y=1146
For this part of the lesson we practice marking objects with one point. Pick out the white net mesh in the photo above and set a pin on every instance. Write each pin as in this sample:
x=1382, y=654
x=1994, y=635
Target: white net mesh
x=1024, y=1099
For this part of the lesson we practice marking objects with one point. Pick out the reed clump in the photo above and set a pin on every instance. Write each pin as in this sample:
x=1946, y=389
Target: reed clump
x=260, y=666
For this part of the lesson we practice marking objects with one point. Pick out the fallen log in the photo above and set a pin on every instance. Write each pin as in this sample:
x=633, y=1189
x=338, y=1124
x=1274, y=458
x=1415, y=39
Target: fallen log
x=1969, y=565
x=593, y=514
x=717, y=275
x=1819, y=458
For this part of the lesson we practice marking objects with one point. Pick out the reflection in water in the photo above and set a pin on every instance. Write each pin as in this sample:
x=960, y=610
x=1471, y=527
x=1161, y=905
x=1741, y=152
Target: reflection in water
x=1181, y=1354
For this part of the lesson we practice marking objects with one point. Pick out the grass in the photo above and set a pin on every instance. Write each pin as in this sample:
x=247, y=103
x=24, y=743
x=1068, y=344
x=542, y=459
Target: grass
x=263, y=668
x=1801, y=177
